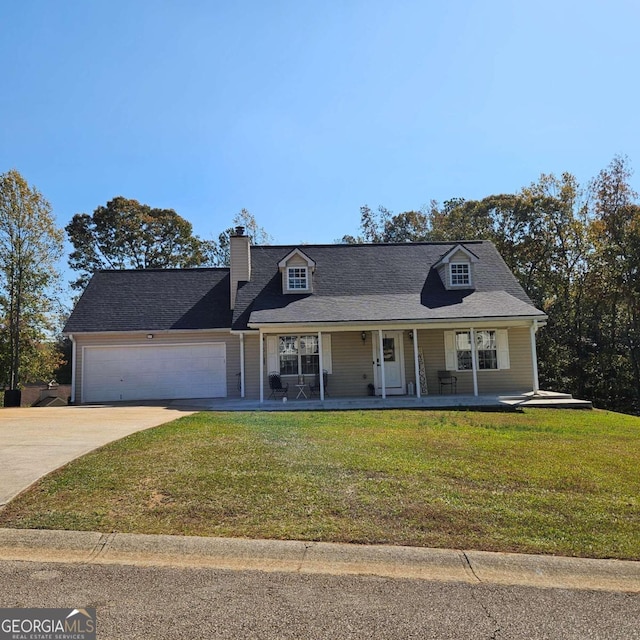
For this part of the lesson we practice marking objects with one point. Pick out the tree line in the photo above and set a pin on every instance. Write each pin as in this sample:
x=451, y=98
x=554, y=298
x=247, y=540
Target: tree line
x=576, y=252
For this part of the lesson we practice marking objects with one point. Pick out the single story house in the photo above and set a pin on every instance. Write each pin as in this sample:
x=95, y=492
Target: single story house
x=384, y=319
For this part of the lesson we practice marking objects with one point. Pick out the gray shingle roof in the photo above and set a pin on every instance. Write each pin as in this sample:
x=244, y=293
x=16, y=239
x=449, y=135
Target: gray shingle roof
x=394, y=282
x=153, y=300
x=351, y=283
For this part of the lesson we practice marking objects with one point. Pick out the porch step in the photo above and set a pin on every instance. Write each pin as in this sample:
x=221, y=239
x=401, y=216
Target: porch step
x=556, y=403
x=545, y=400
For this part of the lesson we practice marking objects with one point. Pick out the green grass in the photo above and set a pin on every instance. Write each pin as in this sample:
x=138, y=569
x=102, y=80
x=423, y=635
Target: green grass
x=560, y=482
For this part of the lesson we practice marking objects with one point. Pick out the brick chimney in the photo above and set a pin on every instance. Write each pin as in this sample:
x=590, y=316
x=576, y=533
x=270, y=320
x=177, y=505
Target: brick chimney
x=240, y=259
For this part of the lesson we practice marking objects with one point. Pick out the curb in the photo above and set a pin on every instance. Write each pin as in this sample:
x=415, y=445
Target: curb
x=416, y=563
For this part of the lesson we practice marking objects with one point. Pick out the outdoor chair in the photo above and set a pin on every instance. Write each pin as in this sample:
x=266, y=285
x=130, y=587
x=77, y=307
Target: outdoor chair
x=278, y=390
x=447, y=379
x=314, y=387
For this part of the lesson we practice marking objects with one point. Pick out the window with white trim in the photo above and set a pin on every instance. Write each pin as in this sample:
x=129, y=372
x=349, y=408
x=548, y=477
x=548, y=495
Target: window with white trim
x=297, y=278
x=486, y=350
x=298, y=355
x=460, y=274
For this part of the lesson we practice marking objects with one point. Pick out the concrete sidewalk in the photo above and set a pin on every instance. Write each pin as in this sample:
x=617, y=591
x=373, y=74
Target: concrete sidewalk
x=320, y=558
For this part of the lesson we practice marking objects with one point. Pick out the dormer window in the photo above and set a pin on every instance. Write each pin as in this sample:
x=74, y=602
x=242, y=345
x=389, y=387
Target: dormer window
x=297, y=272
x=457, y=268
x=297, y=278
x=460, y=274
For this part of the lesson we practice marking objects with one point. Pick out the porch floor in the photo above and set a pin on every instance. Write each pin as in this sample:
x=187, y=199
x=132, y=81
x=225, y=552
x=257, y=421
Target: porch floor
x=544, y=399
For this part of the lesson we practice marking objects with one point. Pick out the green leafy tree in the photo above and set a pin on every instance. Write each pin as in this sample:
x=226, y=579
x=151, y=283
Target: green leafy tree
x=126, y=234
x=614, y=293
x=384, y=226
x=30, y=247
x=219, y=255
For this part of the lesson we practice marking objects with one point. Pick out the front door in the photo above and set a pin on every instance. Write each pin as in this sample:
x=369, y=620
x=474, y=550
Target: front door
x=393, y=358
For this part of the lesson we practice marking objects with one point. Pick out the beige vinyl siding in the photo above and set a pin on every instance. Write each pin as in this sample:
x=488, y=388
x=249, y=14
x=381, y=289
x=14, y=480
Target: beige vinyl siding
x=252, y=366
x=518, y=378
x=297, y=261
x=459, y=256
x=352, y=367
x=352, y=364
x=240, y=267
x=159, y=338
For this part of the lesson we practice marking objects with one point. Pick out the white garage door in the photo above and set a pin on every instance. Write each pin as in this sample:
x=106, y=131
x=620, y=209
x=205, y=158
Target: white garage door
x=154, y=372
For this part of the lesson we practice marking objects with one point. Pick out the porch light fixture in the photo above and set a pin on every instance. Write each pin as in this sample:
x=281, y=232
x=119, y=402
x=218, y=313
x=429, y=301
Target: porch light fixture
x=410, y=334
x=149, y=336
x=363, y=335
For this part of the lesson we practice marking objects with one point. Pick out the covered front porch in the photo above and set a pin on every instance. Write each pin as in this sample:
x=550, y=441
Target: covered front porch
x=395, y=361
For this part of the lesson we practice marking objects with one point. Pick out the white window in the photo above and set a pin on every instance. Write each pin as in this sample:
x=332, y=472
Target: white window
x=297, y=278
x=298, y=355
x=460, y=274
x=486, y=350
x=492, y=350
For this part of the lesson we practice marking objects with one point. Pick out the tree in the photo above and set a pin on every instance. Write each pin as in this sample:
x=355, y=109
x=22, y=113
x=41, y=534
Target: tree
x=615, y=288
x=384, y=226
x=220, y=251
x=30, y=246
x=126, y=234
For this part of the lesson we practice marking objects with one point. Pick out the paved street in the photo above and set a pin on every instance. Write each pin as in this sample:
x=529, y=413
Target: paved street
x=189, y=587
x=167, y=602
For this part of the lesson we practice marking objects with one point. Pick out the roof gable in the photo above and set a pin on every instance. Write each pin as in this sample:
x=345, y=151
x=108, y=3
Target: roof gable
x=296, y=252
x=447, y=257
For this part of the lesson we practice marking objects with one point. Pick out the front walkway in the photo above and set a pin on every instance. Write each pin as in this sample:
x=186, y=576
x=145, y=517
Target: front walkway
x=544, y=399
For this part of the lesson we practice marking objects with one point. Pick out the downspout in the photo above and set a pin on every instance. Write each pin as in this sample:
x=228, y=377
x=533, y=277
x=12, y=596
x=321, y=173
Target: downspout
x=474, y=361
x=73, y=368
x=381, y=361
x=242, y=365
x=416, y=363
x=534, y=357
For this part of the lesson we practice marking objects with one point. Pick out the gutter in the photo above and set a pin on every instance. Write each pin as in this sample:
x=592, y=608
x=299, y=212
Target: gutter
x=364, y=325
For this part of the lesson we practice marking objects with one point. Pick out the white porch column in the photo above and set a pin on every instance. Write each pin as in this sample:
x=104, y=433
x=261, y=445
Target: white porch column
x=261, y=366
x=383, y=382
x=474, y=361
x=534, y=356
x=242, y=365
x=320, y=367
x=416, y=362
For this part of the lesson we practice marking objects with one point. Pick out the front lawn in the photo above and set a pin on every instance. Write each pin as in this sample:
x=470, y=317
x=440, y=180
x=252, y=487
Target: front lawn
x=544, y=481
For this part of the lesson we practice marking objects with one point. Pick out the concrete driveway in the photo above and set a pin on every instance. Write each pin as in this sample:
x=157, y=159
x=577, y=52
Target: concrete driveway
x=36, y=441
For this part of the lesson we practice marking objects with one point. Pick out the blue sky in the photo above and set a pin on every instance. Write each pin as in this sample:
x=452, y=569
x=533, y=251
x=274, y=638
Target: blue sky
x=302, y=111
